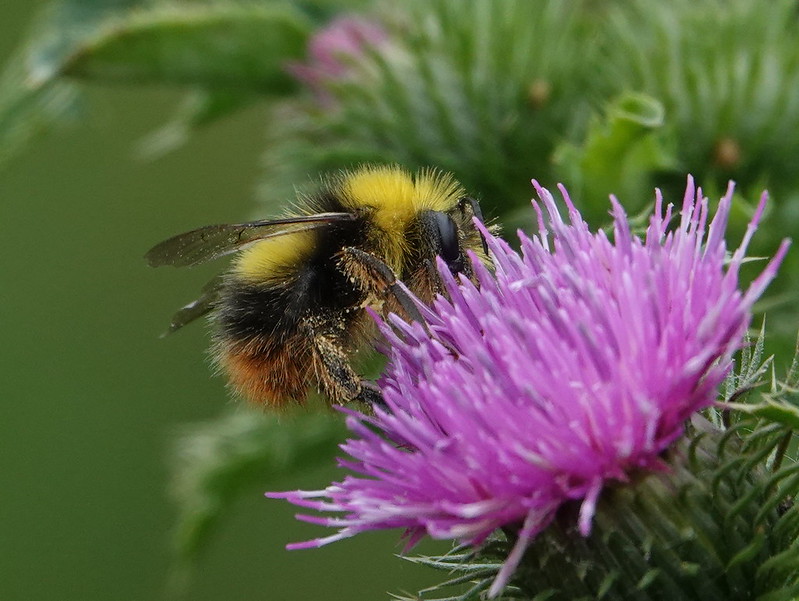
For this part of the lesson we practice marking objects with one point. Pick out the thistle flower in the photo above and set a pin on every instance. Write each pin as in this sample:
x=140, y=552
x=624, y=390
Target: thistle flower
x=574, y=365
x=331, y=52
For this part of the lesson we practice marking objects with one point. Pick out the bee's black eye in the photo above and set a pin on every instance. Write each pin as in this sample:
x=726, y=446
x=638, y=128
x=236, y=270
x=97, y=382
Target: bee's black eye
x=448, y=246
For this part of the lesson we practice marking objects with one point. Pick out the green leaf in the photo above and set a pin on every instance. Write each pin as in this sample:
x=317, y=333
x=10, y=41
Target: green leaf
x=28, y=107
x=214, y=461
x=619, y=154
x=230, y=51
x=773, y=411
x=32, y=97
x=200, y=108
x=779, y=405
x=226, y=44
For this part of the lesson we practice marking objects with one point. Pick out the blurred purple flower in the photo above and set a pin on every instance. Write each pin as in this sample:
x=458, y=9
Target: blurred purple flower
x=572, y=366
x=331, y=53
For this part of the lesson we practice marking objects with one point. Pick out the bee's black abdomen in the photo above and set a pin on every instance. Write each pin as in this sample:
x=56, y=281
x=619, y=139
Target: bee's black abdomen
x=276, y=307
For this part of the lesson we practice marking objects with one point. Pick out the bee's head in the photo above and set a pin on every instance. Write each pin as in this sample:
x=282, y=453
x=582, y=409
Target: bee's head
x=414, y=217
x=451, y=234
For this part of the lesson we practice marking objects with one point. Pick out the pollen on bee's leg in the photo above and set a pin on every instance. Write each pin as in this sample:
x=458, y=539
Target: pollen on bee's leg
x=336, y=377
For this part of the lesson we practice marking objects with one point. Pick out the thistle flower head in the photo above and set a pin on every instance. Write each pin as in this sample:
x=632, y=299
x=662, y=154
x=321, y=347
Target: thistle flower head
x=331, y=52
x=572, y=366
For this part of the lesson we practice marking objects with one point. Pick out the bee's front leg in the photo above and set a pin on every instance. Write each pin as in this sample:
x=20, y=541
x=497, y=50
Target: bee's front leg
x=370, y=394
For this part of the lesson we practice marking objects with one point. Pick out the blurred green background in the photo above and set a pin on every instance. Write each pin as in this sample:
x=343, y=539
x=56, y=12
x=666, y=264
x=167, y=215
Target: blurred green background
x=95, y=400
x=93, y=397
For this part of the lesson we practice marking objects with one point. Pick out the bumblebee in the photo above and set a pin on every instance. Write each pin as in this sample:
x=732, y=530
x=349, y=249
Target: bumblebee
x=289, y=313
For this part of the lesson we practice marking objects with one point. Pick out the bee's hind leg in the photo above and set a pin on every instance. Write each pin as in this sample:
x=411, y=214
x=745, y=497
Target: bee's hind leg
x=336, y=377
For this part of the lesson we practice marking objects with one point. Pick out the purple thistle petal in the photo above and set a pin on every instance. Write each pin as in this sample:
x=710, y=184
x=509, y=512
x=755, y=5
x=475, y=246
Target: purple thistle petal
x=332, y=52
x=574, y=364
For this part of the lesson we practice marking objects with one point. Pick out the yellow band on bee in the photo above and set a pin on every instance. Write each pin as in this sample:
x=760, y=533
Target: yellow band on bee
x=268, y=259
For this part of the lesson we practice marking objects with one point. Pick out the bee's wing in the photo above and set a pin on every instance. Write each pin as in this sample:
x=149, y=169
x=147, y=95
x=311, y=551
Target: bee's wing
x=209, y=295
x=214, y=241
